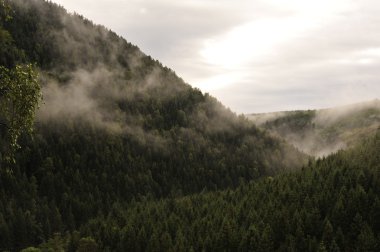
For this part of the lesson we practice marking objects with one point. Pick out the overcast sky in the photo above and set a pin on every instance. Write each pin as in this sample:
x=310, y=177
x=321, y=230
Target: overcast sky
x=256, y=55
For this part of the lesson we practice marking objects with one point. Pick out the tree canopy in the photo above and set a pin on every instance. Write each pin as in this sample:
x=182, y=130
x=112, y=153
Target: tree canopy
x=20, y=94
x=20, y=91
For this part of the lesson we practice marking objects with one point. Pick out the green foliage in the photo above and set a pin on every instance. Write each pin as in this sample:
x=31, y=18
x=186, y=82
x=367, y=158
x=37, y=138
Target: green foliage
x=20, y=94
x=10, y=55
x=297, y=120
x=31, y=249
x=293, y=211
x=55, y=244
x=5, y=11
x=87, y=244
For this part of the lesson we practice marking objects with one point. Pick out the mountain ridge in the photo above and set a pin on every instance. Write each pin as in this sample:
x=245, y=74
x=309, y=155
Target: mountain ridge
x=321, y=132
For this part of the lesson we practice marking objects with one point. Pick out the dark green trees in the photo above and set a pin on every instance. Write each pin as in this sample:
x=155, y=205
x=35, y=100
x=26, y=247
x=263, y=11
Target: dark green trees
x=20, y=92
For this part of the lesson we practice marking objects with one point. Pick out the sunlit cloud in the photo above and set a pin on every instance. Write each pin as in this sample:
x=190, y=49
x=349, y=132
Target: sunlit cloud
x=260, y=39
x=251, y=42
x=220, y=81
x=256, y=55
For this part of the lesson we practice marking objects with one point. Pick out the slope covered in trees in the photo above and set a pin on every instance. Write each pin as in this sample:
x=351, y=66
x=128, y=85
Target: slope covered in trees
x=103, y=95
x=116, y=127
x=321, y=132
x=332, y=204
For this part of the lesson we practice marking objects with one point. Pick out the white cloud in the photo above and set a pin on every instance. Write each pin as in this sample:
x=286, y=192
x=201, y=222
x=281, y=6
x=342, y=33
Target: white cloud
x=220, y=81
x=256, y=55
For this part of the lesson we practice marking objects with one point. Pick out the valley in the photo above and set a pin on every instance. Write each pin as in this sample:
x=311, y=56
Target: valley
x=122, y=154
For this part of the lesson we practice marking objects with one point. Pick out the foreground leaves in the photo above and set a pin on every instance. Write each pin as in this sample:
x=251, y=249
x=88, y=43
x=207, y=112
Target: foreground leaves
x=20, y=94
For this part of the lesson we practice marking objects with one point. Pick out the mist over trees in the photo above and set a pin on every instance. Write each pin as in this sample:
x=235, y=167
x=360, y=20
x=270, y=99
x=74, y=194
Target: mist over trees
x=126, y=156
x=325, y=131
x=115, y=127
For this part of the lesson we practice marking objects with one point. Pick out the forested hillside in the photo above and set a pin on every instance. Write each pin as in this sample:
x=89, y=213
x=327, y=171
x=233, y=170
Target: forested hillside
x=321, y=132
x=332, y=204
x=115, y=127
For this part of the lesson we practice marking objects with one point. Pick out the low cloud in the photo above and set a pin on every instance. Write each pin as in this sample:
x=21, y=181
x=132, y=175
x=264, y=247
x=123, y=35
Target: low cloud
x=93, y=96
x=78, y=99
